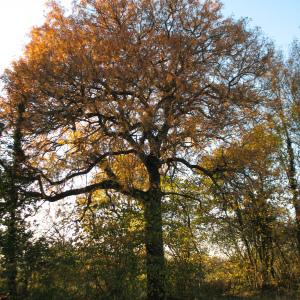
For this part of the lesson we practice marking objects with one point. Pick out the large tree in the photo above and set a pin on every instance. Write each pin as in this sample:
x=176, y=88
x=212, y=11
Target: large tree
x=127, y=91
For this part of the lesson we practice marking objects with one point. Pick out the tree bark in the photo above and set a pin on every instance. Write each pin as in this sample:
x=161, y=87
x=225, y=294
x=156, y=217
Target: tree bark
x=292, y=177
x=155, y=261
x=155, y=264
x=11, y=261
x=12, y=197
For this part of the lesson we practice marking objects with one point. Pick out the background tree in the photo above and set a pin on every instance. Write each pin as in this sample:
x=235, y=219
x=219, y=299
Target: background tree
x=111, y=242
x=284, y=88
x=184, y=239
x=13, y=180
x=251, y=206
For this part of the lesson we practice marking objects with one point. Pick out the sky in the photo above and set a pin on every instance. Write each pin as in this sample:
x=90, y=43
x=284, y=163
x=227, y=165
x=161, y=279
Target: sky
x=278, y=19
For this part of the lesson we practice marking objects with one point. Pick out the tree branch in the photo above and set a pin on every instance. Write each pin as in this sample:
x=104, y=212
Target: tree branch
x=190, y=166
x=98, y=160
x=106, y=184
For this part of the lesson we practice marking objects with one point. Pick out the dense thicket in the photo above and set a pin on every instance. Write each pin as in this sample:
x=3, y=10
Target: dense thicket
x=176, y=131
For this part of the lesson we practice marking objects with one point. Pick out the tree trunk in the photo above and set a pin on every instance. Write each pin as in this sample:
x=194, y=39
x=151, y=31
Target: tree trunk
x=155, y=264
x=10, y=253
x=292, y=177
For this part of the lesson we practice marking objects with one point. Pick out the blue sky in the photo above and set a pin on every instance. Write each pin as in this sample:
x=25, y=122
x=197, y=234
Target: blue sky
x=279, y=19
